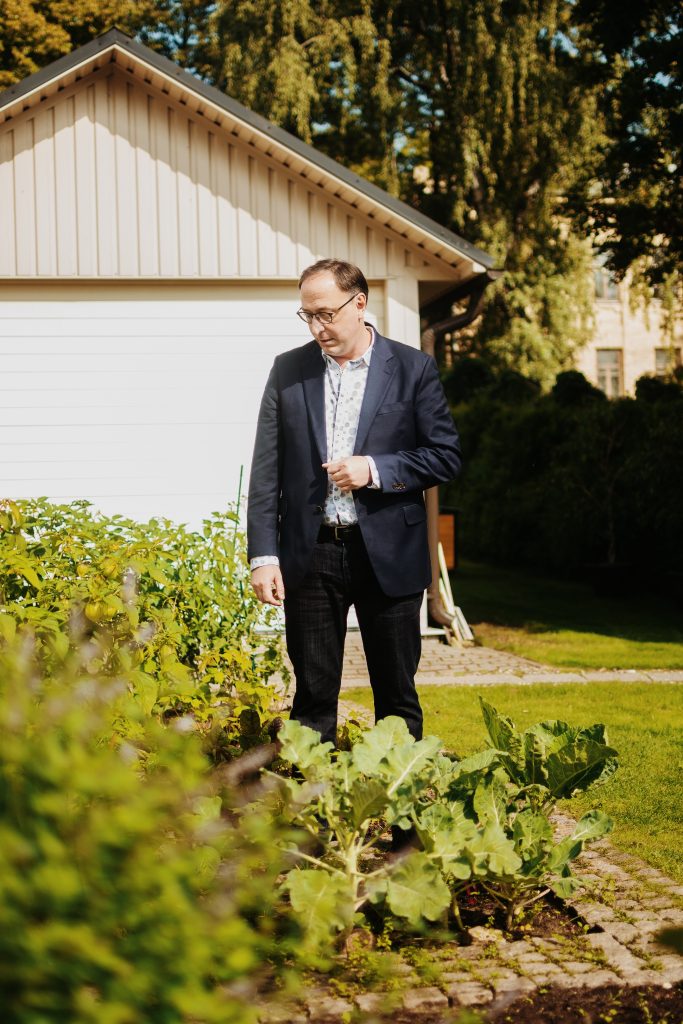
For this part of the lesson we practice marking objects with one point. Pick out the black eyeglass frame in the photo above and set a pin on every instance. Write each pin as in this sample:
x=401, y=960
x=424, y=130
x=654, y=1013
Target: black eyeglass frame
x=324, y=317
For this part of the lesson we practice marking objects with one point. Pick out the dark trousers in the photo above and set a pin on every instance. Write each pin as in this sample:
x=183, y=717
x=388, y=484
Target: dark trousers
x=315, y=623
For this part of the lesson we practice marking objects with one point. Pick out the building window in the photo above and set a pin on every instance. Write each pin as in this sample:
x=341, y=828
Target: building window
x=611, y=371
x=605, y=285
x=666, y=361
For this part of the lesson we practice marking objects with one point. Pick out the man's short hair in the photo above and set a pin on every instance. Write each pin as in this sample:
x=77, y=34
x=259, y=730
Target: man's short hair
x=347, y=277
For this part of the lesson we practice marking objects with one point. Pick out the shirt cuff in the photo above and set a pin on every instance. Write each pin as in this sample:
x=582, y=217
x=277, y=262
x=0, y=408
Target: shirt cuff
x=255, y=563
x=375, y=484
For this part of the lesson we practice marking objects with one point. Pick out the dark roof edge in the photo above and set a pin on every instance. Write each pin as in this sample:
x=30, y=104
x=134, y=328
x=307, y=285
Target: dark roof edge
x=115, y=37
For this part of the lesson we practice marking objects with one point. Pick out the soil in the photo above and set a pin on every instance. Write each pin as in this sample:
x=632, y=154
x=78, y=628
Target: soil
x=549, y=917
x=609, y=1005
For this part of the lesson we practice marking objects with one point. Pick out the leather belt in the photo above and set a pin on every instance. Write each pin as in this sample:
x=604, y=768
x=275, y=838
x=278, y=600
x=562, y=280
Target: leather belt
x=338, y=533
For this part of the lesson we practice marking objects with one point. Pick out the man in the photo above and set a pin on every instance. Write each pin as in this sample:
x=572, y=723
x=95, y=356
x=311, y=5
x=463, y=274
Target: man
x=352, y=428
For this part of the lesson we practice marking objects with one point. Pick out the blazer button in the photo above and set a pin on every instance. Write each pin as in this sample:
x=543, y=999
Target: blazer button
x=400, y=486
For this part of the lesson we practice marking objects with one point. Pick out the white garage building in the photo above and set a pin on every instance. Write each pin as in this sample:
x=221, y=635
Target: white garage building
x=152, y=231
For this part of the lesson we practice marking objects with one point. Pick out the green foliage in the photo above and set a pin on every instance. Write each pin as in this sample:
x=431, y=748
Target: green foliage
x=572, y=388
x=551, y=760
x=631, y=194
x=342, y=792
x=483, y=819
x=172, y=610
x=125, y=893
x=600, y=481
x=34, y=33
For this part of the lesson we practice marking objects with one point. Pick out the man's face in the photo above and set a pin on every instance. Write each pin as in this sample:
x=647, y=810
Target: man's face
x=346, y=337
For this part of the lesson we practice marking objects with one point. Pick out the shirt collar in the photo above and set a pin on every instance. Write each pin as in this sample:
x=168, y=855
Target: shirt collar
x=365, y=358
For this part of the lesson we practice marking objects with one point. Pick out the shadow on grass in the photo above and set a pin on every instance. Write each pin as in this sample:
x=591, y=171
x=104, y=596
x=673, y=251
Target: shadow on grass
x=521, y=600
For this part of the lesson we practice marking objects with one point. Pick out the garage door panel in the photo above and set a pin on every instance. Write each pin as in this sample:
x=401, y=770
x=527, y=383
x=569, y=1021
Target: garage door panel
x=95, y=395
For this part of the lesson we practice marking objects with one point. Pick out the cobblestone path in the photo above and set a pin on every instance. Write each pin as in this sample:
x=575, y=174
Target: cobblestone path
x=483, y=666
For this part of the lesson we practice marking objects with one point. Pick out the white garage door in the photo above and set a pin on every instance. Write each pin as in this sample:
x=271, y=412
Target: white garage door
x=141, y=398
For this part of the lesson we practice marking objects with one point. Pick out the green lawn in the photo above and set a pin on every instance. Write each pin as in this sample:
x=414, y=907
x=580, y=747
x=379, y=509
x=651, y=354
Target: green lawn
x=565, y=623
x=644, y=723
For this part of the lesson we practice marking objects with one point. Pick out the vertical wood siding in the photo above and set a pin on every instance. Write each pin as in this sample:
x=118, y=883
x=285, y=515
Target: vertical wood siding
x=111, y=178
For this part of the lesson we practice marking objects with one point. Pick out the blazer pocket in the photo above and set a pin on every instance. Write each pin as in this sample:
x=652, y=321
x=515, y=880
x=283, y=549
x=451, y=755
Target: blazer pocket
x=414, y=514
x=394, y=407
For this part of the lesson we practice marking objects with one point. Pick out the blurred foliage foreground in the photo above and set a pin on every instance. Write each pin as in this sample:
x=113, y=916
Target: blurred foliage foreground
x=147, y=874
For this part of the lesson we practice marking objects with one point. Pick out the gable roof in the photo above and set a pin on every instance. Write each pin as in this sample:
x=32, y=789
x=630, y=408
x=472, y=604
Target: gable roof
x=299, y=157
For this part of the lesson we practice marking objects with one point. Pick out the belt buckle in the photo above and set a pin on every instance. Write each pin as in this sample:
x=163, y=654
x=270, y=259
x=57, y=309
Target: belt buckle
x=337, y=535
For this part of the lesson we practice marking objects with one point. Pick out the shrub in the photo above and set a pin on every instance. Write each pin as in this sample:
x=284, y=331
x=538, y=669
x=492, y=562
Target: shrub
x=468, y=376
x=175, y=605
x=559, y=483
x=572, y=388
x=652, y=389
x=124, y=895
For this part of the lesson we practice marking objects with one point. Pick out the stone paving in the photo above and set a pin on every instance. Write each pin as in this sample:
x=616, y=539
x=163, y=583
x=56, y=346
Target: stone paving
x=442, y=665
x=625, y=903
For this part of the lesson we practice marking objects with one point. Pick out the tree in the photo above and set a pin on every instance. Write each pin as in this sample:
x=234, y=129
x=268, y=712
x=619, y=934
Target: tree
x=478, y=113
x=322, y=71
x=632, y=195
x=32, y=34
x=481, y=113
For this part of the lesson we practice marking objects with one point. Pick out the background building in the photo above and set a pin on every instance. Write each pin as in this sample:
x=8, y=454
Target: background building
x=625, y=344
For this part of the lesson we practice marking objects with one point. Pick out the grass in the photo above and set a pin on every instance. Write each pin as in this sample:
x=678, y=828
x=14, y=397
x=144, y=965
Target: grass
x=565, y=623
x=644, y=723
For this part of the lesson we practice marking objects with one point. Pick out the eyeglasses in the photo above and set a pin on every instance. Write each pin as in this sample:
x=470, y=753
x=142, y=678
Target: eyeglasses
x=323, y=318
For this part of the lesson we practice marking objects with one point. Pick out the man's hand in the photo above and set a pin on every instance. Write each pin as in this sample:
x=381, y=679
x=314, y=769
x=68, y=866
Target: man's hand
x=349, y=474
x=268, y=584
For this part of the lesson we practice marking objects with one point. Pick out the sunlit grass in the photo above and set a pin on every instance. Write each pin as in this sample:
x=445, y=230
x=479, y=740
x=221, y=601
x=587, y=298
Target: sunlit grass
x=644, y=723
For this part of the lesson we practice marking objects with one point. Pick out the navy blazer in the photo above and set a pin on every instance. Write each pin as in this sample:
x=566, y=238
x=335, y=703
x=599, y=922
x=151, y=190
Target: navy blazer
x=405, y=425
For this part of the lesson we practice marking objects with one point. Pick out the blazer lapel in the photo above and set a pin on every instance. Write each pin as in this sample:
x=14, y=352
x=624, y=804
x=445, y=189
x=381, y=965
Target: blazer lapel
x=312, y=376
x=380, y=372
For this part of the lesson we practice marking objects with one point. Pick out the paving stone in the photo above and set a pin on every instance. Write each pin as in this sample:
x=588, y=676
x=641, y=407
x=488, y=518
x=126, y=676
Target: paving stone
x=621, y=931
x=672, y=967
x=579, y=967
x=371, y=1002
x=424, y=999
x=282, y=1015
x=572, y=981
x=596, y=979
x=548, y=974
x=328, y=1010
x=656, y=903
x=516, y=949
x=617, y=956
x=470, y=994
x=456, y=978
x=645, y=977
x=515, y=984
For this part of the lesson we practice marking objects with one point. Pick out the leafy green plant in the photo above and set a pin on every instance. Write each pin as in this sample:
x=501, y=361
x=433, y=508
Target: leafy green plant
x=483, y=819
x=340, y=796
x=491, y=824
x=129, y=888
x=550, y=760
x=175, y=607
